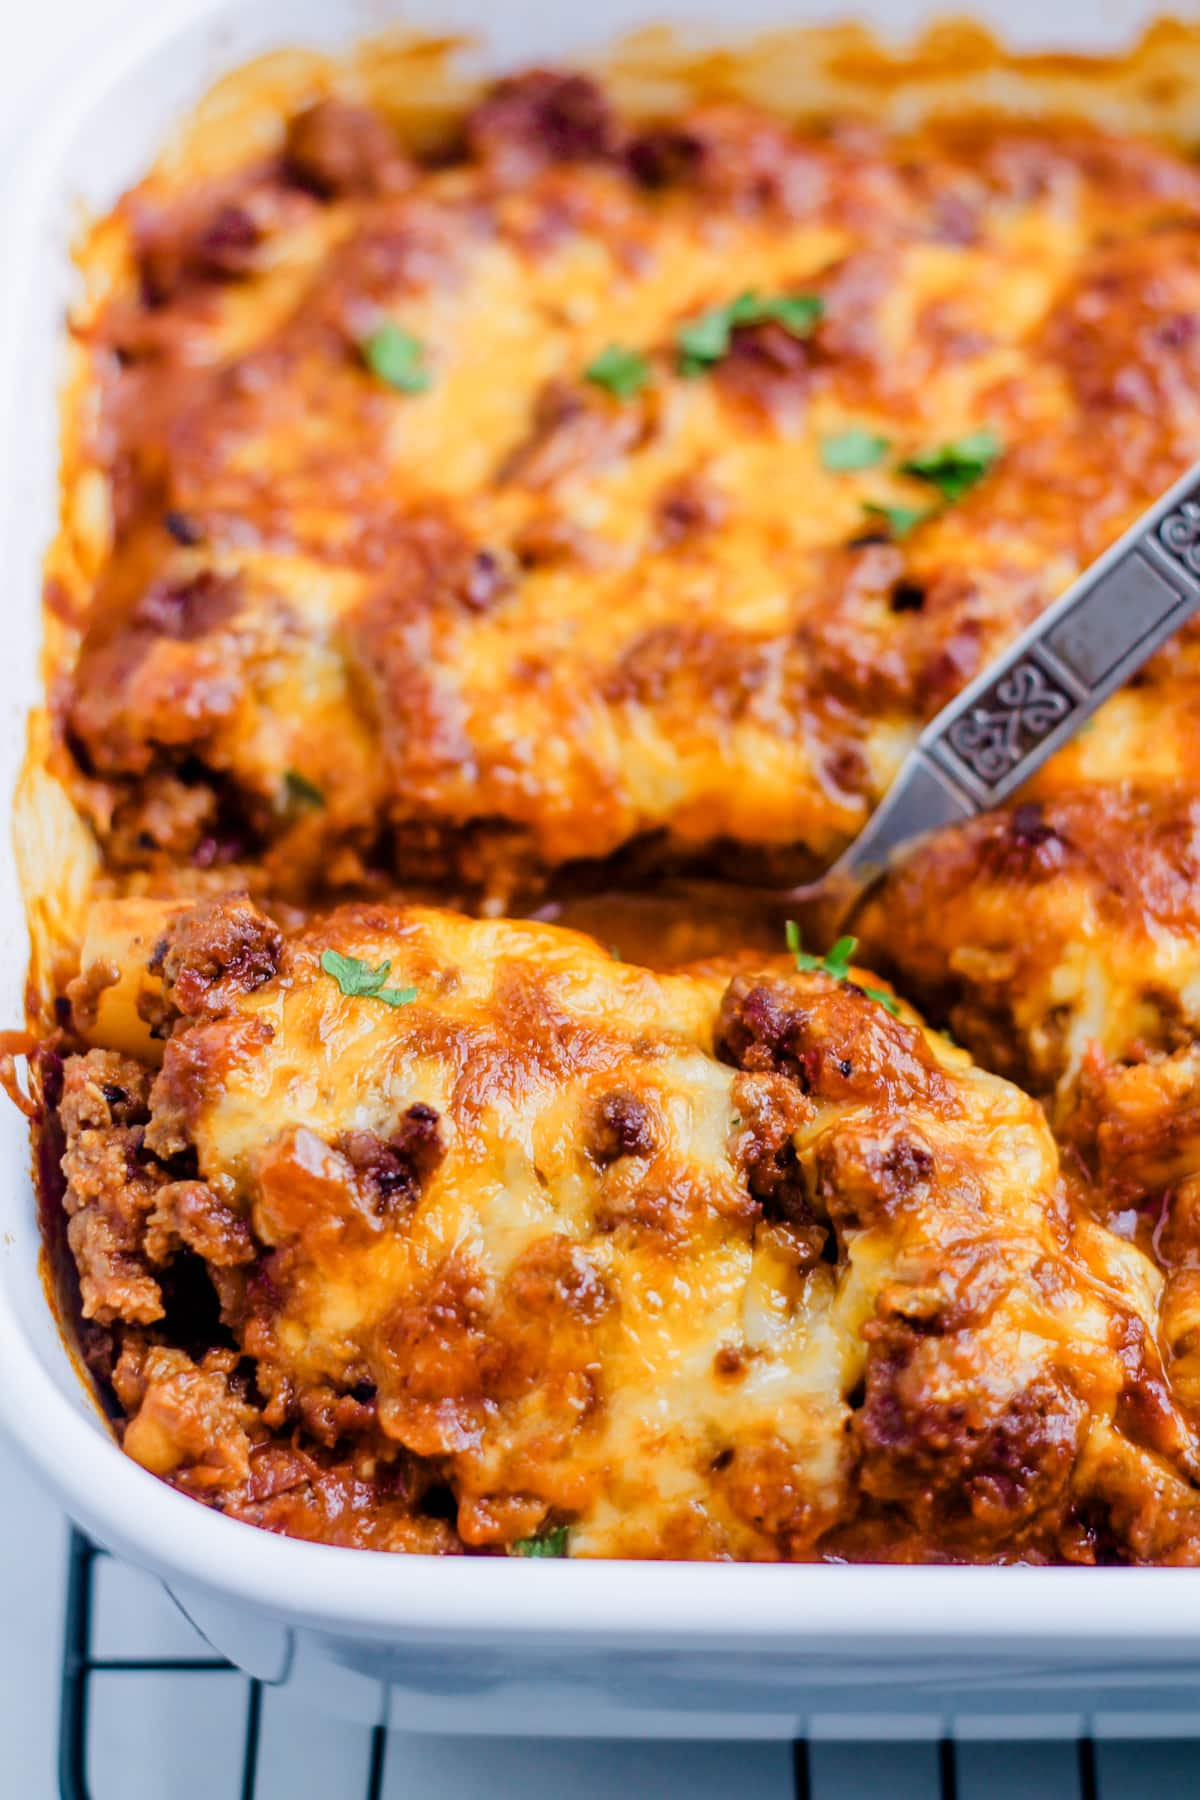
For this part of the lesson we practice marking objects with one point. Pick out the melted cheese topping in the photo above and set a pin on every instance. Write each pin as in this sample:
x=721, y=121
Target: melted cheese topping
x=707, y=1264
x=1067, y=925
x=716, y=1263
x=515, y=621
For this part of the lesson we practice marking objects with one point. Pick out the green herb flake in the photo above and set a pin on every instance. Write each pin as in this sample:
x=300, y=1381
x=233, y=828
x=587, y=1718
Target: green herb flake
x=854, y=448
x=705, y=340
x=835, y=963
x=358, y=980
x=955, y=467
x=544, y=1543
x=797, y=313
x=900, y=520
x=837, y=960
x=301, y=792
x=397, y=358
x=622, y=372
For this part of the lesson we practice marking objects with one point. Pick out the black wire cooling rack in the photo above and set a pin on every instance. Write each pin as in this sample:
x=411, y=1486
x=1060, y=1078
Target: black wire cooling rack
x=80, y=1664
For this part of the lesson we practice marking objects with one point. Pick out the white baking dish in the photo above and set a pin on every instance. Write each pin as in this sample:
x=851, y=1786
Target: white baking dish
x=495, y=1645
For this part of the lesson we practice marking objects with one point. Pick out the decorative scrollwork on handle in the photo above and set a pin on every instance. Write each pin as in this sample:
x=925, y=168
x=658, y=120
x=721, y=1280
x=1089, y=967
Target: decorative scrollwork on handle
x=1180, y=534
x=1022, y=709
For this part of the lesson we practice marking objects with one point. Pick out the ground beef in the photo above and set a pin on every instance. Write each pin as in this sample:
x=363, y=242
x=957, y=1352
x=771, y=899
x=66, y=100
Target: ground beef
x=228, y=246
x=529, y=121
x=395, y=1170
x=336, y=149
x=859, y=1181
x=953, y=1453
x=840, y=1047
x=687, y=508
x=189, y=608
x=84, y=992
x=186, y=1419
x=573, y=429
x=160, y=816
x=213, y=953
x=157, y=685
x=770, y=1110
x=111, y=1186
x=189, y=1213
x=620, y=1124
x=769, y=367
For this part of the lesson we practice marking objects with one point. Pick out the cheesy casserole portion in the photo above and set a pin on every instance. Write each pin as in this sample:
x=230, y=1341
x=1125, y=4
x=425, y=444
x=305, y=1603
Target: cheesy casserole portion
x=515, y=1246
x=476, y=515
x=594, y=485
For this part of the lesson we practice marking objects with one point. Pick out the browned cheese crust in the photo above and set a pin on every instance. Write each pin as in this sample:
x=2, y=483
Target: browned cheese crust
x=516, y=1237
x=381, y=584
x=517, y=620
x=1060, y=941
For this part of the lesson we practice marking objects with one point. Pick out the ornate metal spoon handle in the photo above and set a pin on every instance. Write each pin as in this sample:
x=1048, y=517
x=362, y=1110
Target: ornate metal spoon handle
x=1037, y=694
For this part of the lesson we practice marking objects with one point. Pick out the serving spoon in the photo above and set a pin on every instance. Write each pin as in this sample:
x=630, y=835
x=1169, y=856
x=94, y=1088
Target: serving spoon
x=1028, y=701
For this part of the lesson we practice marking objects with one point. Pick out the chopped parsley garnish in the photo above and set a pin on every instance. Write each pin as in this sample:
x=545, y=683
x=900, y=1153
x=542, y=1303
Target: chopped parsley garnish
x=854, y=448
x=797, y=313
x=544, y=1543
x=301, y=792
x=623, y=372
x=835, y=962
x=900, y=520
x=705, y=340
x=954, y=467
x=397, y=358
x=358, y=979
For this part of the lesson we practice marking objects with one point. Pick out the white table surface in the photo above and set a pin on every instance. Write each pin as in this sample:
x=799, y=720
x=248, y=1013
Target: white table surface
x=142, y=1726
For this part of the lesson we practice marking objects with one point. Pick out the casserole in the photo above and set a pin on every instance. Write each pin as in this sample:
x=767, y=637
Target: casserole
x=723, y=1652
